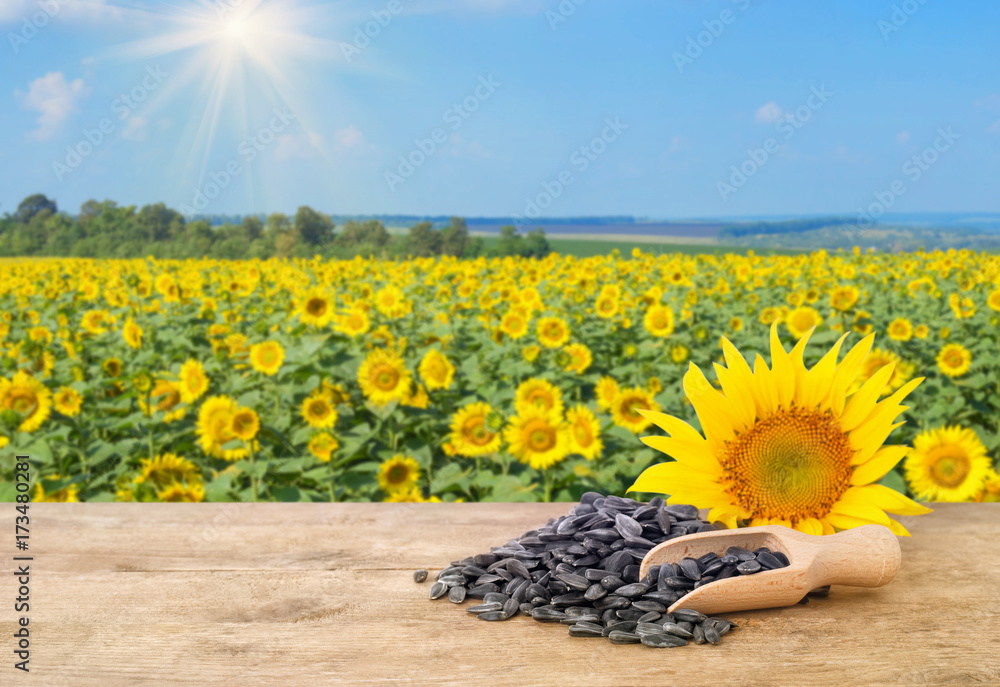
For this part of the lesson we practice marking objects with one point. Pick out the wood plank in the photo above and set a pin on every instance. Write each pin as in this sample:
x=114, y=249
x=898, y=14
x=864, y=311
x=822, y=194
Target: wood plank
x=321, y=594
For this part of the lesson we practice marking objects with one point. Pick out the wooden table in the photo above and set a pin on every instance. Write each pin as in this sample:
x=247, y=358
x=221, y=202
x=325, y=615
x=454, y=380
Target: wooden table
x=314, y=594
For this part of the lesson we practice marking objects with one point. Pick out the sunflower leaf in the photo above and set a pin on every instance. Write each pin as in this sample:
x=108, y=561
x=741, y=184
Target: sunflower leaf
x=894, y=481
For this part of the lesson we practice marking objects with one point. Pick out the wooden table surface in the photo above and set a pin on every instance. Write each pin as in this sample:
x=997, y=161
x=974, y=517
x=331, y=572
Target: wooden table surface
x=323, y=594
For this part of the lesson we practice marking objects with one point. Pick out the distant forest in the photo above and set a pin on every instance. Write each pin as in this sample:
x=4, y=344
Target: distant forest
x=107, y=230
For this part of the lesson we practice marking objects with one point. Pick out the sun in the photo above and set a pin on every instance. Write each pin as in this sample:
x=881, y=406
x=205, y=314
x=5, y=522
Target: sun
x=230, y=64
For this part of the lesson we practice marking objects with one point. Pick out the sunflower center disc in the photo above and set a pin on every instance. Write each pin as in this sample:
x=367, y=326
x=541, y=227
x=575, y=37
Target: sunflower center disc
x=793, y=465
x=949, y=466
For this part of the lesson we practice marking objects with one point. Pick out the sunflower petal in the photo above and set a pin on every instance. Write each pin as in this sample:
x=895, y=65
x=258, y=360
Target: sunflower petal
x=884, y=460
x=891, y=500
x=898, y=529
x=695, y=455
x=846, y=373
x=846, y=522
x=815, y=385
x=860, y=510
x=657, y=479
x=864, y=399
x=809, y=526
x=673, y=426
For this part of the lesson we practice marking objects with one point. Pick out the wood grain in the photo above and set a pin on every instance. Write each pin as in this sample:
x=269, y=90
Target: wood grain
x=322, y=594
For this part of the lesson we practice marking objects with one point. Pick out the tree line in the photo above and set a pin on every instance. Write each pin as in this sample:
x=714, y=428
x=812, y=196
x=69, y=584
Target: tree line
x=108, y=230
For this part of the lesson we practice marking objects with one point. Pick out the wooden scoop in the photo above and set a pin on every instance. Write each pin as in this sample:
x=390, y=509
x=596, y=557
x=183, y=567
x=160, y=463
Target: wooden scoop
x=866, y=556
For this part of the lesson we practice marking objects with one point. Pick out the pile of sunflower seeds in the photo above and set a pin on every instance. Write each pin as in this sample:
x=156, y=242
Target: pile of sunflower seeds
x=582, y=570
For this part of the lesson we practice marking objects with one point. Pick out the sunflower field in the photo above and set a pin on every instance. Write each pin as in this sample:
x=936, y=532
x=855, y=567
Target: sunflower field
x=447, y=379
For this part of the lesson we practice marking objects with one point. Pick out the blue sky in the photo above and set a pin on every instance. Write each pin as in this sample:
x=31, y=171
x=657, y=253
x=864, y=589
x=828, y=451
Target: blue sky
x=578, y=107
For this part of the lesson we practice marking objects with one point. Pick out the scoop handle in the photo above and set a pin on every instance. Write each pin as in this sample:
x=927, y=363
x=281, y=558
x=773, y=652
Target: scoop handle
x=866, y=556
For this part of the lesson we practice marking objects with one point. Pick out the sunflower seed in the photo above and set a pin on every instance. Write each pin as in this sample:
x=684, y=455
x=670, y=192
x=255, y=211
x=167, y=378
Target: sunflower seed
x=712, y=635
x=680, y=583
x=821, y=592
x=665, y=597
x=699, y=634
x=544, y=615
x=595, y=592
x=616, y=562
x=629, y=614
x=631, y=591
x=604, y=534
x=484, y=608
x=648, y=617
x=621, y=626
x=419, y=575
x=511, y=608
x=768, y=561
x=781, y=557
x=575, y=581
x=683, y=512
x=618, y=637
x=456, y=595
x=492, y=615
x=612, y=582
x=748, y=567
x=518, y=568
x=480, y=591
x=612, y=601
x=685, y=625
x=677, y=629
x=689, y=568
x=438, y=589
x=661, y=641
x=526, y=608
x=740, y=553
x=729, y=559
x=648, y=606
x=585, y=630
x=484, y=560
x=689, y=615
x=627, y=527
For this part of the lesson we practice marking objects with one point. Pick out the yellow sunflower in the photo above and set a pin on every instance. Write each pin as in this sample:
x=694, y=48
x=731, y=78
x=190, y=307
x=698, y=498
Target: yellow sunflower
x=167, y=468
x=537, y=438
x=659, y=320
x=584, y=432
x=801, y=320
x=436, y=370
x=947, y=464
x=193, y=382
x=921, y=331
x=785, y=445
x=552, y=332
x=842, y=298
x=182, y=493
x=69, y=494
x=471, y=434
x=607, y=305
x=417, y=399
x=606, y=391
x=769, y=315
x=390, y=302
x=680, y=353
x=900, y=329
x=993, y=300
x=167, y=396
x=132, y=333
x=354, y=323
x=383, y=377
x=399, y=473
x=538, y=393
x=318, y=411
x=67, y=401
x=323, y=445
x=580, y=358
x=514, y=324
x=316, y=308
x=215, y=428
x=626, y=406
x=267, y=357
x=990, y=493
x=954, y=360
x=245, y=424
x=530, y=353
x=112, y=367
x=27, y=397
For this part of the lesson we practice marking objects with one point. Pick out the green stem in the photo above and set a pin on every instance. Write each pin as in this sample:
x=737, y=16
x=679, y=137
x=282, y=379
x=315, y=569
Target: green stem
x=253, y=477
x=333, y=491
x=548, y=485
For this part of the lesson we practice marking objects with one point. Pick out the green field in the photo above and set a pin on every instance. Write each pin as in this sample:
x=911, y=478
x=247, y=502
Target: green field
x=584, y=248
